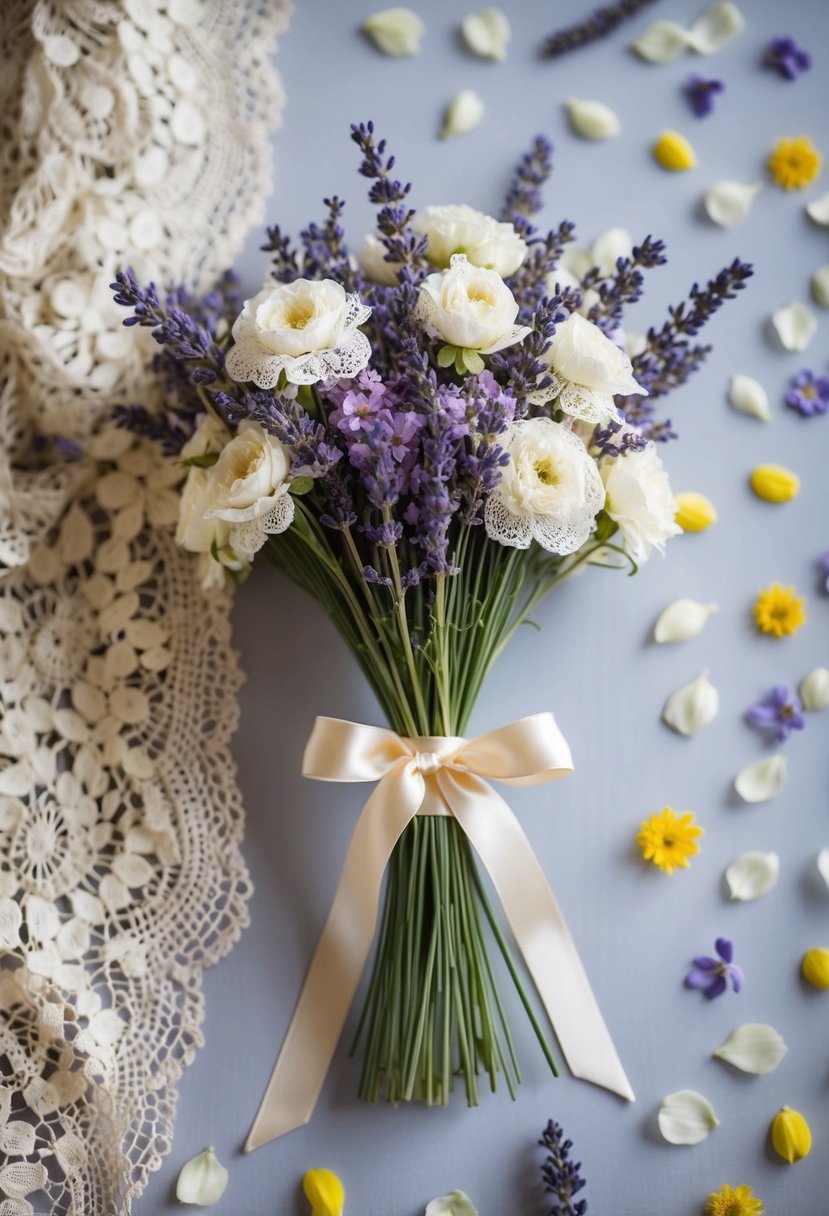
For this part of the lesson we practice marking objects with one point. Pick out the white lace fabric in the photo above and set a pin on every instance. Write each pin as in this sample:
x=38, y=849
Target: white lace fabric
x=121, y=877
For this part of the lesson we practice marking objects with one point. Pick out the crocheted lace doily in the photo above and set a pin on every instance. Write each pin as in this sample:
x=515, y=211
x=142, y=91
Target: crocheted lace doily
x=120, y=871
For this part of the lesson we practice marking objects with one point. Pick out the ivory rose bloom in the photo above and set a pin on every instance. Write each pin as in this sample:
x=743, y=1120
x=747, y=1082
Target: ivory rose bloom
x=587, y=370
x=249, y=488
x=195, y=532
x=307, y=329
x=550, y=491
x=470, y=308
x=461, y=229
x=640, y=501
x=373, y=261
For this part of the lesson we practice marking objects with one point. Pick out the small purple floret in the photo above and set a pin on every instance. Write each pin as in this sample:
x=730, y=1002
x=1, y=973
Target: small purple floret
x=786, y=57
x=710, y=976
x=779, y=711
x=701, y=91
x=809, y=394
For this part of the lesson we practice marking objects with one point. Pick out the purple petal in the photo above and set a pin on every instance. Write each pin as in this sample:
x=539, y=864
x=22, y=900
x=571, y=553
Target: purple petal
x=724, y=948
x=706, y=964
x=761, y=715
x=736, y=974
x=716, y=988
x=700, y=980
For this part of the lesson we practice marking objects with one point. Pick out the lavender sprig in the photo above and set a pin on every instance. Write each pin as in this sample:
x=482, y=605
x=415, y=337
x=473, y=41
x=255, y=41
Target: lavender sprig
x=394, y=218
x=604, y=440
x=561, y=1175
x=521, y=368
x=326, y=255
x=285, y=260
x=598, y=25
x=531, y=284
x=531, y=172
x=625, y=286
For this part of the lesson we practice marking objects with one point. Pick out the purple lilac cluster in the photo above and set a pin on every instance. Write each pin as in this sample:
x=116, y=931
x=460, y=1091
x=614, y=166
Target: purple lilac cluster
x=561, y=1176
x=787, y=58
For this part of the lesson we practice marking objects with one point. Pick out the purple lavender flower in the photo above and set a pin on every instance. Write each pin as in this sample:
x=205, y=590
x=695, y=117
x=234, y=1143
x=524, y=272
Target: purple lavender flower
x=787, y=58
x=809, y=394
x=780, y=711
x=701, y=92
x=711, y=975
x=561, y=1176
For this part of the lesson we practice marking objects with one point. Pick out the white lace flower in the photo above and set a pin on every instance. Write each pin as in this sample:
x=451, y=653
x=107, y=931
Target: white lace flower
x=640, y=501
x=470, y=307
x=457, y=228
x=307, y=329
x=587, y=370
x=550, y=491
x=247, y=489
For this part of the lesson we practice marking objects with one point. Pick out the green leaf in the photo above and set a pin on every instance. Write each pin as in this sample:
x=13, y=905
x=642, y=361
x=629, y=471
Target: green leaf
x=206, y=461
x=474, y=362
x=447, y=355
x=605, y=527
x=301, y=485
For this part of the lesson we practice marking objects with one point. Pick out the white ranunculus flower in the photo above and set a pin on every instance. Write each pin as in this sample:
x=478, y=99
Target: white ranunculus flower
x=587, y=370
x=373, y=262
x=550, y=491
x=640, y=501
x=469, y=307
x=308, y=329
x=457, y=228
x=208, y=439
x=249, y=489
x=195, y=532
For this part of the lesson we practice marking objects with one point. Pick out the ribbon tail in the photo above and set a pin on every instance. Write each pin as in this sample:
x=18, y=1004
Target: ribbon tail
x=539, y=928
x=338, y=962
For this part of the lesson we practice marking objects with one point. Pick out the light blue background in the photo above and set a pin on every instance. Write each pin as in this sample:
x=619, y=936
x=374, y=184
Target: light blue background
x=593, y=664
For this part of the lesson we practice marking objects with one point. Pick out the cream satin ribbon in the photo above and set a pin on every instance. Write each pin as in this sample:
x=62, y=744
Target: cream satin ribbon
x=434, y=776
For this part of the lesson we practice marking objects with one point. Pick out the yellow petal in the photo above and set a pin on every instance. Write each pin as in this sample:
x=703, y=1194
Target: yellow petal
x=773, y=483
x=673, y=151
x=324, y=1192
x=790, y=1135
x=815, y=967
x=695, y=512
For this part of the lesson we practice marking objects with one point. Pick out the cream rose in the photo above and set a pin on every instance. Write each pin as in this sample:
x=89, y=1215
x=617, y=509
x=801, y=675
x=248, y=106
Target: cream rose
x=640, y=501
x=470, y=308
x=195, y=531
x=461, y=229
x=373, y=262
x=250, y=473
x=583, y=355
x=550, y=491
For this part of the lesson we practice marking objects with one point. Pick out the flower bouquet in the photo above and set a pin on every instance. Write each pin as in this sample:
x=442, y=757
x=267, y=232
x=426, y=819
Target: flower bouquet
x=428, y=440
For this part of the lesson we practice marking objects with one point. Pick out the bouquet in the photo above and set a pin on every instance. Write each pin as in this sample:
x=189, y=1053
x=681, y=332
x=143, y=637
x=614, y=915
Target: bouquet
x=428, y=440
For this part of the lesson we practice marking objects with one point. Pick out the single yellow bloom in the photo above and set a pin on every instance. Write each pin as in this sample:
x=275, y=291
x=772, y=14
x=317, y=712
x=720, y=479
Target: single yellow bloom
x=779, y=611
x=669, y=840
x=729, y=1202
x=790, y=1135
x=774, y=483
x=694, y=512
x=673, y=151
x=324, y=1192
x=794, y=163
x=815, y=967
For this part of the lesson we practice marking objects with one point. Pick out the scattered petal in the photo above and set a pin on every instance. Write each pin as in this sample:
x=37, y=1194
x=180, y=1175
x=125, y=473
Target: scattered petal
x=754, y=1048
x=456, y=1204
x=592, y=119
x=774, y=483
x=749, y=397
x=681, y=620
x=814, y=690
x=324, y=1192
x=820, y=286
x=762, y=781
x=727, y=203
x=662, y=42
x=815, y=967
x=487, y=33
x=790, y=1135
x=818, y=210
x=823, y=865
x=395, y=31
x=794, y=325
x=695, y=512
x=716, y=27
x=463, y=113
x=686, y=1117
x=673, y=151
x=202, y=1180
x=794, y=163
x=752, y=875
x=693, y=706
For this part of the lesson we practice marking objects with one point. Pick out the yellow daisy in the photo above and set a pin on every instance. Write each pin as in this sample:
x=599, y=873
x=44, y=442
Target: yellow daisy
x=794, y=163
x=728, y=1202
x=669, y=840
x=779, y=611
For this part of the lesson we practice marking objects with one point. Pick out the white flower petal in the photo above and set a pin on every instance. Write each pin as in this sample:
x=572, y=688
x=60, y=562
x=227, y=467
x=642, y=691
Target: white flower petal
x=814, y=690
x=686, y=1117
x=592, y=119
x=608, y=247
x=794, y=325
x=728, y=203
x=662, y=42
x=716, y=27
x=749, y=397
x=818, y=210
x=681, y=620
x=692, y=706
x=487, y=33
x=455, y=1204
x=752, y=874
x=754, y=1048
x=462, y=114
x=202, y=1179
x=762, y=781
x=823, y=865
x=820, y=286
x=395, y=31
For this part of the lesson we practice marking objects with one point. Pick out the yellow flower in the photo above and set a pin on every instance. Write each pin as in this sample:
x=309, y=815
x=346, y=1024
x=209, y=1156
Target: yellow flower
x=668, y=840
x=729, y=1202
x=694, y=512
x=779, y=611
x=794, y=163
x=673, y=151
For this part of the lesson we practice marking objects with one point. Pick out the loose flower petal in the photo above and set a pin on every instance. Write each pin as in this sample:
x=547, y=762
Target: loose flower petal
x=487, y=33
x=820, y=286
x=202, y=1180
x=686, y=1117
x=749, y=397
x=662, y=42
x=692, y=707
x=715, y=28
x=454, y=1204
x=462, y=114
x=592, y=119
x=674, y=152
x=773, y=483
x=814, y=690
x=794, y=325
x=681, y=620
x=395, y=31
x=754, y=1048
x=790, y=1135
x=818, y=210
x=762, y=781
x=815, y=967
x=695, y=512
x=324, y=1192
x=752, y=875
x=823, y=865
x=727, y=203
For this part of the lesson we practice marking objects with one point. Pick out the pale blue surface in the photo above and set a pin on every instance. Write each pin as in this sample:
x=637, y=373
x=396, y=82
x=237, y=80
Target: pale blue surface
x=593, y=663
